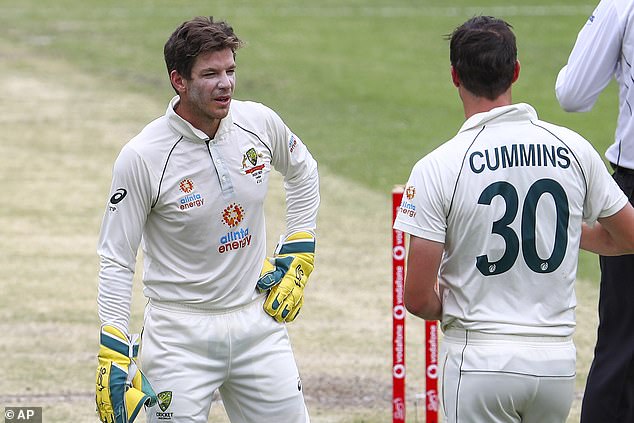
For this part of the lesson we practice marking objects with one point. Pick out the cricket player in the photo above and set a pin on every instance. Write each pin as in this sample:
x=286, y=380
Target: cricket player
x=604, y=50
x=190, y=189
x=495, y=221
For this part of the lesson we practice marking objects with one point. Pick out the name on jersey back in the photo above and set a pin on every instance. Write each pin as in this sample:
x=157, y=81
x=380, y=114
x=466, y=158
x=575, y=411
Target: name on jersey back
x=519, y=155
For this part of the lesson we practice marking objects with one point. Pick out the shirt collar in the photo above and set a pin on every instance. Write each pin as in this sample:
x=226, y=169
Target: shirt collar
x=186, y=129
x=512, y=112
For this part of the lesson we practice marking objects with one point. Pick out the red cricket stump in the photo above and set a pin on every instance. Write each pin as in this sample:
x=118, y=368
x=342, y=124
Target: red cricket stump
x=398, y=332
x=398, y=315
x=431, y=371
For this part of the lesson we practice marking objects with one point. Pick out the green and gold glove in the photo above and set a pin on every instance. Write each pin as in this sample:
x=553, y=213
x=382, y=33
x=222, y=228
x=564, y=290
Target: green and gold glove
x=285, y=276
x=121, y=387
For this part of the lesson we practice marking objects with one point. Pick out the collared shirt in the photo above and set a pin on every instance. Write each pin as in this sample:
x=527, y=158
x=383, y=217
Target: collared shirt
x=604, y=50
x=507, y=196
x=195, y=205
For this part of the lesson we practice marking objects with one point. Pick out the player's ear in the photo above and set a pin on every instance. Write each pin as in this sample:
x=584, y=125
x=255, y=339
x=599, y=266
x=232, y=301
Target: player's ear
x=516, y=71
x=178, y=82
x=454, y=77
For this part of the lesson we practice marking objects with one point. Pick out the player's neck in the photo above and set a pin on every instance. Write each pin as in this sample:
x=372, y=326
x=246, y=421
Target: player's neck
x=473, y=104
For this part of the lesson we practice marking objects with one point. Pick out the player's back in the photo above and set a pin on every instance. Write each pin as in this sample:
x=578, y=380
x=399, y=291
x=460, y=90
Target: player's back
x=513, y=223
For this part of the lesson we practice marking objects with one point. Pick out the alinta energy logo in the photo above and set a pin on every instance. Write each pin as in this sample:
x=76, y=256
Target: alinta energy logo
x=192, y=199
x=186, y=185
x=292, y=144
x=410, y=192
x=406, y=207
x=232, y=215
x=236, y=239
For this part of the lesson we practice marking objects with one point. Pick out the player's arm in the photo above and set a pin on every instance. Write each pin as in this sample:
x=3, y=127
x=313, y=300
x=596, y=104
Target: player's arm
x=121, y=388
x=285, y=274
x=592, y=62
x=612, y=235
x=421, y=294
x=129, y=202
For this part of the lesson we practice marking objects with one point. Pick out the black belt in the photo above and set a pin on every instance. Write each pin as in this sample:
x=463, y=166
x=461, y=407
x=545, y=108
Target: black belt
x=621, y=169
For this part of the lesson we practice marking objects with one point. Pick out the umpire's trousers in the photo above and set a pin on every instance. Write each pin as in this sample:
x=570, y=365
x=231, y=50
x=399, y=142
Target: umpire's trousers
x=609, y=394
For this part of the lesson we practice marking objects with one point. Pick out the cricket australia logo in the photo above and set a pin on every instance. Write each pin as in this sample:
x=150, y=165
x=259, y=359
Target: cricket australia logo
x=250, y=164
x=164, y=399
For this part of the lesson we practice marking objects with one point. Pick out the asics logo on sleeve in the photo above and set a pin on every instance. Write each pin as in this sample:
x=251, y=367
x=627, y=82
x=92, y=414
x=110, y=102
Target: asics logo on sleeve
x=118, y=196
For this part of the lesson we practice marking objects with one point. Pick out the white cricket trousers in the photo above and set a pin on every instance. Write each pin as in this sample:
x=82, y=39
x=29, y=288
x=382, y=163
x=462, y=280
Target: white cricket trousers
x=506, y=378
x=188, y=353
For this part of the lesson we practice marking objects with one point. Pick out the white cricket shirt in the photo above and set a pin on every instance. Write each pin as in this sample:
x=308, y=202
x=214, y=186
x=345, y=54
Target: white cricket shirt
x=604, y=49
x=196, y=206
x=507, y=196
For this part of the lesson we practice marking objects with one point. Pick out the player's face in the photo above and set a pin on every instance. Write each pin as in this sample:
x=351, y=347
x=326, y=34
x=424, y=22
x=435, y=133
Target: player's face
x=208, y=93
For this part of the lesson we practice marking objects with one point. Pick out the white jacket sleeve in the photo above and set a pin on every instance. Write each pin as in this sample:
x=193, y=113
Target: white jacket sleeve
x=301, y=180
x=593, y=60
x=121, y=231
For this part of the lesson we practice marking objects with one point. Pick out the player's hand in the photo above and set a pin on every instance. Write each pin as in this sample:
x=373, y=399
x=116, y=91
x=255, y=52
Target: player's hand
x=286, y=274
x=121, y=387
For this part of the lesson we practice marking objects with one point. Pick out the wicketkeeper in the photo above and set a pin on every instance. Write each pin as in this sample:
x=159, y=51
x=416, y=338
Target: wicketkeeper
x=190, y=189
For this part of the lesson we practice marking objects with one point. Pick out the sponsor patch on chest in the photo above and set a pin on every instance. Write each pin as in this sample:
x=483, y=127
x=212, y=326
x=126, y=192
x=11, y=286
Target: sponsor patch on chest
x=192, y=199
x=239, y=237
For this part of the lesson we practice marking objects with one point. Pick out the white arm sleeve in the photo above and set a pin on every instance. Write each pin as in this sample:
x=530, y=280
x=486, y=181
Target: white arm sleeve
x=121, y=231
x=301, y=180
x=604, y=197
x=425, y=214
x=593, y=60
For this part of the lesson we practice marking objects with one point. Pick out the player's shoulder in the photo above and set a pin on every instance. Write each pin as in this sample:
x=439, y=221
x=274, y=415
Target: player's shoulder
x=255, y=117
x=154, y=134
x=611, y=14
x=452, y=150
x=564, y=134
x=580, y=148
x=623, y=7
x=151, y=144
x=246, y=111
x=445, y=159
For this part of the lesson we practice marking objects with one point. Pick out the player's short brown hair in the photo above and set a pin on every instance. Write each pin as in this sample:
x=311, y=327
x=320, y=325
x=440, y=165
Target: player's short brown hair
x=483, y=52
x=193, y=37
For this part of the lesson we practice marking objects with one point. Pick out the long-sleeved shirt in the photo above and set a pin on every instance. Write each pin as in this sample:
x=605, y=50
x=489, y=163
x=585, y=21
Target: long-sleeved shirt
x=195, y=205
x=507, y=196
x=604, y=49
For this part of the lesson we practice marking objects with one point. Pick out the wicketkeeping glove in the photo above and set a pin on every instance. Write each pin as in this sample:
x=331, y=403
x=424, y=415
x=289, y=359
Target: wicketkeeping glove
x=121, y=387
x=285, y=275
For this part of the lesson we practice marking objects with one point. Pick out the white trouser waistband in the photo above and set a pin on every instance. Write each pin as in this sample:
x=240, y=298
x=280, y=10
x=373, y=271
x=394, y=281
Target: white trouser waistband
x=462, y=334
x=202, y=308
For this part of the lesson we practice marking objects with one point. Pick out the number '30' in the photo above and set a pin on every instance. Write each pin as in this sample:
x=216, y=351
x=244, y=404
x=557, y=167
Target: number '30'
x=529, y=249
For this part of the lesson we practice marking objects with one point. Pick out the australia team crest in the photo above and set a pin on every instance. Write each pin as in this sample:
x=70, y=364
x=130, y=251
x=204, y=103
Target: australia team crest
x=251, y=165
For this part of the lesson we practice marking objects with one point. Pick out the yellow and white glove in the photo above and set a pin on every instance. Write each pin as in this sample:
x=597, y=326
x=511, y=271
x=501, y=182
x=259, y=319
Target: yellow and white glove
x=121, y=387
x=285, y=275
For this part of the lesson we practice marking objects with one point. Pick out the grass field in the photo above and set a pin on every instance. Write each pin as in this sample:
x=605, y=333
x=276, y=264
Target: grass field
x=366, y=86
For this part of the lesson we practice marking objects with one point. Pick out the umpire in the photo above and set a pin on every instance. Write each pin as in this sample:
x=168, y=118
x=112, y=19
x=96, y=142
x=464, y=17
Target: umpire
x=605, y=49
